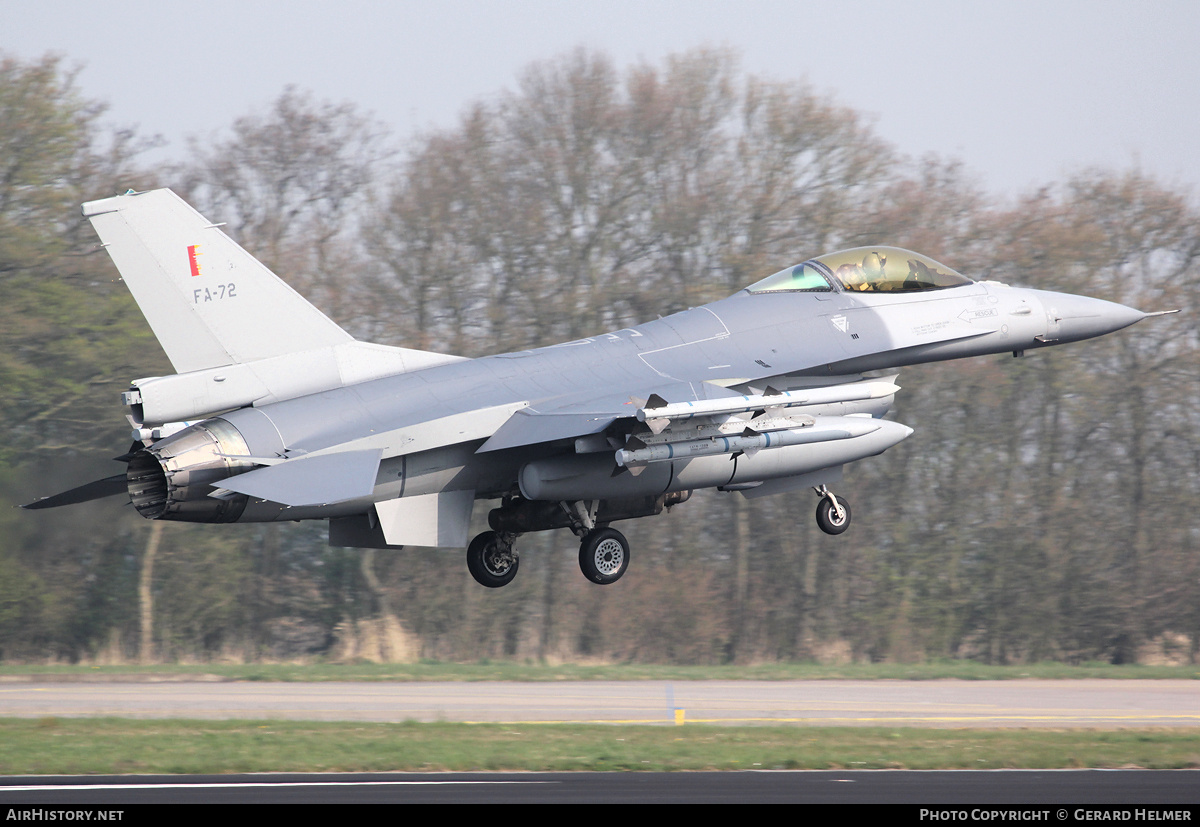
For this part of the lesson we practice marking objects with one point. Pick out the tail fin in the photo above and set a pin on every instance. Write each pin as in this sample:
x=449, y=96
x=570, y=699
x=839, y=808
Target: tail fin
x=210, y=303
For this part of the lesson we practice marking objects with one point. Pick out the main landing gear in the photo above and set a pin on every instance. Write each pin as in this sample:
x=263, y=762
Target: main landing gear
x=603, y=555
x=833, y=513
x=603, y=551
x=492, y=560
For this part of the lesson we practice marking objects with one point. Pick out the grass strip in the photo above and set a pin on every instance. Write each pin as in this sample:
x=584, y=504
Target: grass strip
x=50, y=746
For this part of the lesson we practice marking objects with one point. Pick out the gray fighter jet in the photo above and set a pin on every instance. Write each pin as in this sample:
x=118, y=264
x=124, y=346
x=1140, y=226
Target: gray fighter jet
x=276, y=413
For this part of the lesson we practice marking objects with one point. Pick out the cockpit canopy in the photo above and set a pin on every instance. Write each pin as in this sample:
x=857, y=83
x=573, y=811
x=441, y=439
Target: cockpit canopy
x=863, y=270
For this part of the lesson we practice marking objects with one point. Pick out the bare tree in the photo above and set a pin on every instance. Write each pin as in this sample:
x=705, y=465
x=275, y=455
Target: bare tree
x=289, y=184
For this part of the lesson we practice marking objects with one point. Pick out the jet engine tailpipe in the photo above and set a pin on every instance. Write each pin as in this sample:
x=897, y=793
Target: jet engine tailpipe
x=172, y=479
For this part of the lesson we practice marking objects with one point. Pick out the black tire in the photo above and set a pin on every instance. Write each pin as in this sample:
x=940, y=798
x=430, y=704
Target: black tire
x=827, y=518
x=491, y=562
x=604, y=555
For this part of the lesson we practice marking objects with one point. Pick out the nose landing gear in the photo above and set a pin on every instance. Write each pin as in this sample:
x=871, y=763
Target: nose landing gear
x=833, y=512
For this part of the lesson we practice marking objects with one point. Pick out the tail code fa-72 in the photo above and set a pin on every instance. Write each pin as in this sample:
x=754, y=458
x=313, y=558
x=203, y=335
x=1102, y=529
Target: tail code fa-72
x=276, y=413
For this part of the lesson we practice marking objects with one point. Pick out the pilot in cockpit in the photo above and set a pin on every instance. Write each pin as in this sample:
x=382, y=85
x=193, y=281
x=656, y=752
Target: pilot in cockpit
x=872, y=268
x=864, y=277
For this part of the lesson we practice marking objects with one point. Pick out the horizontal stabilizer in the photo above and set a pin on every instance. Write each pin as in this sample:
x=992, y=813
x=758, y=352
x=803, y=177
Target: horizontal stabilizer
x=107, y=487
x=315, y=480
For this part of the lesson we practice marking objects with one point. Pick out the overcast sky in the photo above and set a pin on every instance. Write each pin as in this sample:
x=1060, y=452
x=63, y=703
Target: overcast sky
x=1023, y=92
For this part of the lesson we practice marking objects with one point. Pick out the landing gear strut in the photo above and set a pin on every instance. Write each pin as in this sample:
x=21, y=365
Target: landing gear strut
x=492, y=560
x=833, y=513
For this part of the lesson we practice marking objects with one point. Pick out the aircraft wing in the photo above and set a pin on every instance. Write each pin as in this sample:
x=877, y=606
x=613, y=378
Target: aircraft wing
x=527, y=427
x=577, y=417
x=573, y=417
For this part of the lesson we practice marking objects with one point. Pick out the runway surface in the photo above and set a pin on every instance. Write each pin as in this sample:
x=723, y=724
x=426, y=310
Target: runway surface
x=943, y=703
x=1072, y=795
x=1077, y=795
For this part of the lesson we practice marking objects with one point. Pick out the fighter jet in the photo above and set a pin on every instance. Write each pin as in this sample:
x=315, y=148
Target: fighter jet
x=276, y=413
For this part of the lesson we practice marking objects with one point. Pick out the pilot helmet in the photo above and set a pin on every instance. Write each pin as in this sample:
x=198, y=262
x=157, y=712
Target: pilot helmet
x=873, y=264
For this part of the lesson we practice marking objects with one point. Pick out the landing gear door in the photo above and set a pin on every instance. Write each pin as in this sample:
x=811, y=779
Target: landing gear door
x=440, y=520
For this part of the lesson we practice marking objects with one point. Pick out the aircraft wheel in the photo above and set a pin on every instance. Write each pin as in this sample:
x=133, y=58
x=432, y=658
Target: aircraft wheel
x=604, y=555
x=827, y=517
x=492, y=561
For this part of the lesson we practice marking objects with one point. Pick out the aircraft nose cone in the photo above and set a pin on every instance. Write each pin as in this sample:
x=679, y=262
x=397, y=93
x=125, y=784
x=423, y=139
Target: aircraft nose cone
x=1070, y=318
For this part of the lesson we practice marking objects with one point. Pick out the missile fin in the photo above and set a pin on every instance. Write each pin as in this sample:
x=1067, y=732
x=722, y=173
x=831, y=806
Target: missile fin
x=657, y=426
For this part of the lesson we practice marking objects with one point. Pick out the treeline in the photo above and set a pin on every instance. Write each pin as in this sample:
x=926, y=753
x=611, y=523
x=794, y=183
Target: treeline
x=1043, y=510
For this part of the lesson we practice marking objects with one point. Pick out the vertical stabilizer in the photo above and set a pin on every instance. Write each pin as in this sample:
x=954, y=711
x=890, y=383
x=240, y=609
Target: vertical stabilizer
x=209, y=302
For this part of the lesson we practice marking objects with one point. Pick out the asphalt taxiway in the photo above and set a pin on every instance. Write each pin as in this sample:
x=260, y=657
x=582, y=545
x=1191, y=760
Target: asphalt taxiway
x=938, y=703
x=1058, y=795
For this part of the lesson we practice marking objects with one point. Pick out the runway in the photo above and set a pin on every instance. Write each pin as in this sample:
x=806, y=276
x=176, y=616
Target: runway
x=941, y=703
x=944, y=703
x=1041, y=795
